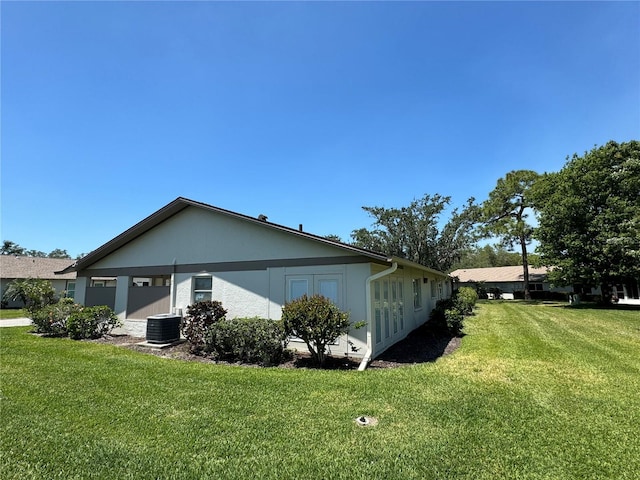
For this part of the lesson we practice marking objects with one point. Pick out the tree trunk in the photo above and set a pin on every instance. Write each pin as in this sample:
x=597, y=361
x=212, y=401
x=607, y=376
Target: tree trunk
x=317, y=351
x=525, y=268
x=320, y=350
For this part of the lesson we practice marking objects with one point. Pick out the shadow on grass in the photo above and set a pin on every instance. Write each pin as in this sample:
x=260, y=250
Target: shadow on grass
x=602, y=306
x=577, y=306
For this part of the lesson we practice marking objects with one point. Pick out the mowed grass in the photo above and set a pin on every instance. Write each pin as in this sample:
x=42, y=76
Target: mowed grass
x=534, y=392
x=11, y=313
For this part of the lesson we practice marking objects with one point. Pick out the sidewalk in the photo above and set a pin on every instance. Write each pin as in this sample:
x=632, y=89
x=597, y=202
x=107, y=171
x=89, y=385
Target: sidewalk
x=15, y=322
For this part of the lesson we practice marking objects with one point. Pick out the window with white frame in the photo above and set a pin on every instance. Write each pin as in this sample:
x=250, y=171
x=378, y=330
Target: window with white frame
x=71, y=289
x=401, y=304
x=298, y=287
x=377, y=309
x=202, y=289
x=329, y=286
x=388, y=308
x=417, y=293
x=103, y=282
x=394, y=306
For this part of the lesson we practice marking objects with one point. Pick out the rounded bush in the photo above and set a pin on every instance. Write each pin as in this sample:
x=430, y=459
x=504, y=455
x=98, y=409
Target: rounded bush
x=91, y=322
x=197, y=321
x=317, y=321
x=466, y=299
x=53, y=319
x=247, y=340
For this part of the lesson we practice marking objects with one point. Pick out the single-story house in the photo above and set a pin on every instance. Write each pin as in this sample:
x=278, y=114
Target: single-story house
x=628, y=293
x=190, y=251
x=507, y=282
x=14, y=267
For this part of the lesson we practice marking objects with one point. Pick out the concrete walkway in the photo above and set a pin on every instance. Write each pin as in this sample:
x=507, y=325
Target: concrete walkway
x=15, y=322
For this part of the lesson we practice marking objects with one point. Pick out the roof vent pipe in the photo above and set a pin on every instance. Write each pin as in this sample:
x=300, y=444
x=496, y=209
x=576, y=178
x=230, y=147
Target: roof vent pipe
x=300, y=227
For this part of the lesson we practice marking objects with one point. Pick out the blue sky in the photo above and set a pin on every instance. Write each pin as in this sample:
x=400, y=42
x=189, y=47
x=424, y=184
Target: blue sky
x=304, y=112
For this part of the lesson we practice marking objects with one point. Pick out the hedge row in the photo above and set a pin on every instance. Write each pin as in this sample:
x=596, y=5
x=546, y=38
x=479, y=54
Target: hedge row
x=66, y=318
x=247, y=340
x=449, y=314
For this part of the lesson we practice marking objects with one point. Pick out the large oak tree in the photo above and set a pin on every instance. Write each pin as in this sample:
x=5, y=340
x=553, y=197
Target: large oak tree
x=414, y=232
x=589, y=217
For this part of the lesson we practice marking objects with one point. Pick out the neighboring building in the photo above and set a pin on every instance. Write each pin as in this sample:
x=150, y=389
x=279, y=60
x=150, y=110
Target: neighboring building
x=623, y=293
x=20, y=268
x=189, y=251
x=506, y=282
x=628, y=293
x=509, y=282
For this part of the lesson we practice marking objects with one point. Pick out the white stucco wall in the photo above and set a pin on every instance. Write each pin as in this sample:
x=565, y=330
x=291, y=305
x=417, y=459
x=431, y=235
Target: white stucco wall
x=197, y=240
x=201, y=236
x=262, y=293
x=243, y=294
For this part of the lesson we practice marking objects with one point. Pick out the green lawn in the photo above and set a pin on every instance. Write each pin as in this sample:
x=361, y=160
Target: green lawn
x=534, y=392
x=12, y=313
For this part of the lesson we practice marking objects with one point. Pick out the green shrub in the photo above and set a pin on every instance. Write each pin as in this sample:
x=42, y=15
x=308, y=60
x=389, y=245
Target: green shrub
x=317, y=321
x=495, y=292
x=455, y=320
x=543, y=295
x=481, y=290
x=197, y=321
x=448, y=316
x=35, y=293
x=247, y=340
x=53, y=319
x=78, y=322
x=438, y=318
x=91, y=322
x=466, y=299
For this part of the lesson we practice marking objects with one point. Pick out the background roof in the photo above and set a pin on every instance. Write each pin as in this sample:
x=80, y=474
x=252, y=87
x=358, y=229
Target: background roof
x=12, y=266
x=499, y=274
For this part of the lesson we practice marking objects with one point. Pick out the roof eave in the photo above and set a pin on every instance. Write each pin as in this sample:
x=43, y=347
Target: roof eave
x=125, y=237
x=409, y=263
x=180, y=204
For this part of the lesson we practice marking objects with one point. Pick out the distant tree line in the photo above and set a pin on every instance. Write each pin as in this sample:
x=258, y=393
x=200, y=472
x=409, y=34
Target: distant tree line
x=492, y=256
x=12, y=248
x=588, y=223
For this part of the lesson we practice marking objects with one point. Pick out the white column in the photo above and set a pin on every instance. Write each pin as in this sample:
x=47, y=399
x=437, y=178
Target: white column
x=81, y=290
x=122, y=297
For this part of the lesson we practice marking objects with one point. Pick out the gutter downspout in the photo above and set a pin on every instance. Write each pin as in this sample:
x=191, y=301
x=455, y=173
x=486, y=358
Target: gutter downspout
x=172, y=305
x=367, y=356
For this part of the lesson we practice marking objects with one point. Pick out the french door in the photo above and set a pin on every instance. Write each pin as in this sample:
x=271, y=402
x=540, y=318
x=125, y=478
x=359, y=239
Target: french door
x=388, y=309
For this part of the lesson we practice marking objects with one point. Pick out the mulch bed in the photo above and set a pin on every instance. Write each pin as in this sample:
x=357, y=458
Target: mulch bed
x=420, y=346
